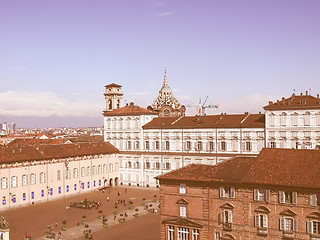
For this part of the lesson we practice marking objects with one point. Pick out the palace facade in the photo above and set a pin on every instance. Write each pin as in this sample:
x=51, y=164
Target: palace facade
x=275, y=195
x=41, y=172
x=160, y=138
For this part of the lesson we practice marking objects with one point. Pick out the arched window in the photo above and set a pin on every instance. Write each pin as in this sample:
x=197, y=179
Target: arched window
x=58, y=175
x=75, y=172
x=105, y=170
x=99, y=169
x=110, y=104
x=116, y=167
x=294, y=119
x=83, y=172
x=128, y=123
x=306, y=118
x=120, y=123
x=110, y=167
x=4, y=183
x=24, y=180
x=42, y=177
x=118, y=103
x=166, y=113
x=94, y=170
x=32, y=179
x=271, y=119
x=283, y=119
x=318, y=119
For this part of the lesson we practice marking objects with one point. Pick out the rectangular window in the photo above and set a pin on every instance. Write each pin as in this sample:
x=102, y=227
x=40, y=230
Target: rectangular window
x=51, y=191
x=82, y=184
x=157, y=145
x=314, y=199
x=248, y=146
x=195, y=234
x=99, y=182
x=171, y=233
x=88, y=184
x=32, y=195
x=199, y=146
x=24, y=196
x=227, y=192
x=211, y=146
x=147, y=145
x=59, y=190
x=262, y=195
x=183, y=188
x=94, y=183
x=67, y=188
x=183, y=211
x=14, y=199
x=288, y=224
x=226, y=216
x=3, y=183
x=183, y=233
x=272, y=145
x=167, y=145
x=75, y=187
x=313, y=227
x=188, y=146
x=14, y=181
x=24, y=180
x=42, y=193
x=4, y=201
x=261, y=220
x=223, y=146
x=217, y=236
x=287, y=197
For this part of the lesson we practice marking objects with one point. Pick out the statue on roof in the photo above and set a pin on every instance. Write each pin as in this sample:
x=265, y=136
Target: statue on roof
x=3, y=223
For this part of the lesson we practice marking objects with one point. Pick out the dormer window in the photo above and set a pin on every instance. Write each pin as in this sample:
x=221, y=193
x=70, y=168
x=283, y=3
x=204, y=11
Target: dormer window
x=314, y=199
x=183, y=211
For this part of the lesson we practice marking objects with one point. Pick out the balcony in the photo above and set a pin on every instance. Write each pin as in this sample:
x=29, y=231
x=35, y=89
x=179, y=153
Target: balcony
x=227, y=226
x=261, y=231
x=288, y=235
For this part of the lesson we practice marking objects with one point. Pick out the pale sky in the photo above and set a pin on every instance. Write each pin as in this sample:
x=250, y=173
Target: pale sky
x=56, y=56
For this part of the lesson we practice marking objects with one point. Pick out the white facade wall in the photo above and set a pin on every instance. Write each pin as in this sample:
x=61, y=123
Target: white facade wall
x=17, y=191
x=293, y=128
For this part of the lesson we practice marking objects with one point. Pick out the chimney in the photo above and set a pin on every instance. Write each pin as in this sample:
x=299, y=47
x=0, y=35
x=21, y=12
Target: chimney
x=270, y=102
x=131, y=104
x=318, y=95
x=300, y=94
x=306, y=93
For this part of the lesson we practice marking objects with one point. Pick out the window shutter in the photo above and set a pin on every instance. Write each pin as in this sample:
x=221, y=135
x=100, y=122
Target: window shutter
x=309, y=227
x=295, y=225
x=222, y=193
x=256, y=220
x=313, y=199
x=281, y=197
x=268, y=195
x=294, y=197
x=282, y=223
x=222, y=217
x=265, y=220
x=230, y=216
x=255, y=194
x=232, y=192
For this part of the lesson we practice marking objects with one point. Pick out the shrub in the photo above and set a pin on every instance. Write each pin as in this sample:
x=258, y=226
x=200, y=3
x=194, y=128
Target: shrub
x=64, y=228
x=86, y=226
x=155, y=200
x=121, y=220
x=131, y=207
x=143, y=204
x=84, y=216
x=151, y=210
x=64, y=222
x=105, y=225
x=115, y=212
x=100, y=211
x=136, y=215
x=100, y=217
x=83, y=222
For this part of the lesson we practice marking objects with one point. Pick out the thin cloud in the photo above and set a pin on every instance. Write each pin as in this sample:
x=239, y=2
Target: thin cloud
x=45, y=104
x=157, y=3
x=18, y=68
x=162, y=14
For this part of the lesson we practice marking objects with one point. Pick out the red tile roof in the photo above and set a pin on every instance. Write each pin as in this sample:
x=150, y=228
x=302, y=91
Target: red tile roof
x=299, y=168
x=37, y=141
x=209, y=121
x=295, y=102
x=14, y=153
x=129, y=110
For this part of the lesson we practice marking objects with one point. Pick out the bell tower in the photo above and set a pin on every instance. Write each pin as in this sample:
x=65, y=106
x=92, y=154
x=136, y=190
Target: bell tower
x=113, y=97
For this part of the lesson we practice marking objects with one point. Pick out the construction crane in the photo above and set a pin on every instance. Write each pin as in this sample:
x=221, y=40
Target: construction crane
x=201, y=107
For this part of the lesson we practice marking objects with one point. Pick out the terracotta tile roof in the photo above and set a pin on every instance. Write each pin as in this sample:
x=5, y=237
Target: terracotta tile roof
x=36, y=141
x=129, y=110
x=232, y=170
x=113, y=85
x=295, y=102
x=299, y=168
x=209, y=121
x=286, y=167
x=14, y=153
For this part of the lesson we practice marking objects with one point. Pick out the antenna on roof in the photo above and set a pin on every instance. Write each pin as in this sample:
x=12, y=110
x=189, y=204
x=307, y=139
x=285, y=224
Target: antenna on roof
x=202, y=107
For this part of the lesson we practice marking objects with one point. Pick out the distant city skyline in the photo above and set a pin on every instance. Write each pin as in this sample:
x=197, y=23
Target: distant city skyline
x=57, y=56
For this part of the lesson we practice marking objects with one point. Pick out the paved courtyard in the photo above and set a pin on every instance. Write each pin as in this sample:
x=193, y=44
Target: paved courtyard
x=33, y=219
